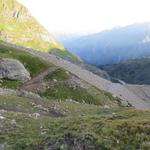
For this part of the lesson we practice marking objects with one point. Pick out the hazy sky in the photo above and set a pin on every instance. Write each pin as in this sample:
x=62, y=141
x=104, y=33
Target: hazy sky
x=69, y=16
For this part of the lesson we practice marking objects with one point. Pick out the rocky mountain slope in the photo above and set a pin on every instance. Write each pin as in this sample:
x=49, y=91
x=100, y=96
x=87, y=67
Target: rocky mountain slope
x=135, y=71
x=19, y=27
x=46, y=78
x=57, y=109
x=111, y=46
x=118, y=90
x=48, y=103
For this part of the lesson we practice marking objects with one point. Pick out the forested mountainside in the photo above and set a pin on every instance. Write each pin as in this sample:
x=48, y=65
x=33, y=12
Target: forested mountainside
x=136, y=71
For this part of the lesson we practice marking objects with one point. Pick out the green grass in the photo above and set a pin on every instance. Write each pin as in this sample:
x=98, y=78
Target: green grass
x=63, y=91
x=83, y=125
x=59, y=74
x=32, y=63
x=19, y=27
x=7, y=83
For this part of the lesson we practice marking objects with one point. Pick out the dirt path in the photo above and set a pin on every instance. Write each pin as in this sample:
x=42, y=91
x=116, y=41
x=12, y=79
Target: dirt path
x=37, y=83
x=122, y=91
x=40, y=76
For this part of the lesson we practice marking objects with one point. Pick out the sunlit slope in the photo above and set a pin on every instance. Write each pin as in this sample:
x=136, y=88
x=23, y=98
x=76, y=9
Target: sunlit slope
x=19, y=27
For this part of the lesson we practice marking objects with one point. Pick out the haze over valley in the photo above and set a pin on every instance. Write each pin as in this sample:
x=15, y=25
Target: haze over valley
x=111, y=46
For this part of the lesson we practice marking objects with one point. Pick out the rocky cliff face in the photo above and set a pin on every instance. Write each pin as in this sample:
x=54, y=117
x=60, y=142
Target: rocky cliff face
x=19, y=27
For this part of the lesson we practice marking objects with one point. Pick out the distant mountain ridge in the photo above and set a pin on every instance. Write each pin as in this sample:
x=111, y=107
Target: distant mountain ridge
x=112, y=46
x=136, y=71
x=19, y=27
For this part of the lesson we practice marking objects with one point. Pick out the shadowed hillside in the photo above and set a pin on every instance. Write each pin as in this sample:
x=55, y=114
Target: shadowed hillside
x=136, y=71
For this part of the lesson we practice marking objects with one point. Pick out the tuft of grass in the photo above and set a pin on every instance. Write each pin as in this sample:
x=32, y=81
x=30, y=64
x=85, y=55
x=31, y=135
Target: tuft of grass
x=63, y=92
x=59, y=74
x=7, y=83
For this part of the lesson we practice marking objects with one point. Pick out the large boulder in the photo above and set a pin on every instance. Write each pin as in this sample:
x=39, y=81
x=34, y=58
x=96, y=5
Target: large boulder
x=14, y=70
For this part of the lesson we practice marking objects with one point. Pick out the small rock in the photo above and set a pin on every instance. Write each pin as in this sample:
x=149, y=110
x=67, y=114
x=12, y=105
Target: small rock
x=1, y=117
x=13, y=122
x=36, y=115
x=2, y=147
x=54, y=80
x=2, y=111
x=43, y=133
x=106, y=106
x=67, y=72
x=113, y=113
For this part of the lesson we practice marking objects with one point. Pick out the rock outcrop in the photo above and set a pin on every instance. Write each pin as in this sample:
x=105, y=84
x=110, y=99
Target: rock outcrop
x=14, y=70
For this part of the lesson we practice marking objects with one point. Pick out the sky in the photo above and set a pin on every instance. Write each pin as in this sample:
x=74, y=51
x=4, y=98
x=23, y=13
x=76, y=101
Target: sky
x=87, y=16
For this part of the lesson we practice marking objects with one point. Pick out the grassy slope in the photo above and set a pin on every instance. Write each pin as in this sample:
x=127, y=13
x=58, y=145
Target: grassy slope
x=63, y=92
x=19, y=27
x=59, y=74
x=68, y=125
x=65, y=55
x=80, y=126
x=132, y=71
x=32, y=63
x=59, y=91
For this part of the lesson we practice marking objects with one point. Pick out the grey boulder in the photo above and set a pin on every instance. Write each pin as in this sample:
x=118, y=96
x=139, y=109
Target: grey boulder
x=14, y=70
